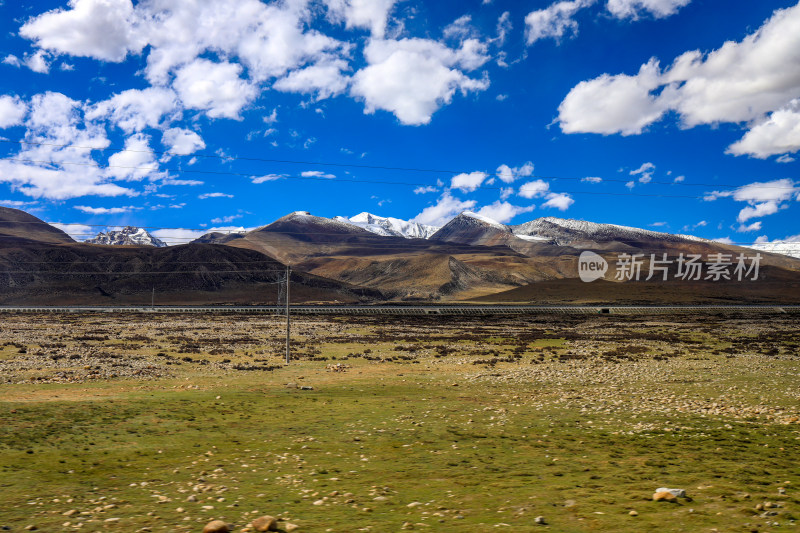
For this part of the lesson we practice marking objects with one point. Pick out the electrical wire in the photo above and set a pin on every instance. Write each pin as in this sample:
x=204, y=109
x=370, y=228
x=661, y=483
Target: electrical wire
x=332, y=164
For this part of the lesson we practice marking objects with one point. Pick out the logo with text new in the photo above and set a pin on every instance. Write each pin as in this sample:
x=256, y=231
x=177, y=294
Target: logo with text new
x=591, y=266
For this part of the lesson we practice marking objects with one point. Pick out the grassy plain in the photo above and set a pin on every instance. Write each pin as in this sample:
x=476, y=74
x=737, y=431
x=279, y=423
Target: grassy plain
x=162, y=423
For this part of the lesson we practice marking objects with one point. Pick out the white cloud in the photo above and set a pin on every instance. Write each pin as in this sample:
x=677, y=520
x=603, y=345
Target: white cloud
x=425, y=190
x=679, y=179
x=645, y=172
x=412, y=78
x=63, y=167
x=219, y=55
x=225, y=219
x=630, y=184
x=105, y=210
x=12, y=60
x=613, y=104
x=504, y=27
x=739, y=82
x=317, y=174
x=758, y=210
x=181, y=141
x=534, y=189
x=15, y=203
x=691, y=227
x=770, y=191
x=778, y=134
x=79, y=232
x=102, y=29
x=460, y=29
x=561, y=201
x=634, y=8
x=370, y=14
x=764, y=198
x=503, y=211
x=136, y=162
x=213, y=87
x=443, y=211
x=37, y=62
x=755, y=226
x=592, y=179
x=324, y=78
x=171, y=181
x=723, y=240
x=135, y=109
x=12, y=111
x=468, y=182
x=266, y=178
x=214, y=195
x=173, y=236
x=272, y=118
x=509, y=175
x=269, y=39
x=554, y=21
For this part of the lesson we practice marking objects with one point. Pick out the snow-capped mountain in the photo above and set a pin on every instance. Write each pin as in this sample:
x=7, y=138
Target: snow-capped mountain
x=390, y=227
x=563, y=232
x=474, y=229
x=127, y=236
x=792, y=249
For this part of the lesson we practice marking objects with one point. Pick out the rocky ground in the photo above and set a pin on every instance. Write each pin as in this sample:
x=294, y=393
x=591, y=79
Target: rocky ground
x=147, y=422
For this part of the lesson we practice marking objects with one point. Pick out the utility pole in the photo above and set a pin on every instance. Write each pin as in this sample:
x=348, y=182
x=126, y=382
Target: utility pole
x=288, y=319
x=153, y=298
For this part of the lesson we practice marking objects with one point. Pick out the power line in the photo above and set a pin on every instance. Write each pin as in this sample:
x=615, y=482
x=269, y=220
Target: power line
x=332, y=164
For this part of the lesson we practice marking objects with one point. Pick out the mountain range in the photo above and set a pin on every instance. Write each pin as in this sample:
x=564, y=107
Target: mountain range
x=366, y=259
x=127, y=236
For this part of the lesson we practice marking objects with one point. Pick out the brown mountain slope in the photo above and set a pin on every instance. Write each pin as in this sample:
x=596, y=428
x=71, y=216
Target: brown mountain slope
x=401, y=268
x=16, y=224
x=40, y=273
x=776, y=288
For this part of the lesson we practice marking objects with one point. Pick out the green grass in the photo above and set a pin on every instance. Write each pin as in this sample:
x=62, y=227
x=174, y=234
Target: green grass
x=471, y=451
x=483, y=447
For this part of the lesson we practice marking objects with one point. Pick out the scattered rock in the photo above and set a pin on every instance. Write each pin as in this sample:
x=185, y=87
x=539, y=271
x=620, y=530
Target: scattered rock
x=191, y=498
x=414, y=504
x=678, y=493
x=306, y=387
x=289, y=527
x=664, y=496
x=216, y=526
x=265, y=523
x=633, y=513
x=292, y=385
x=540, y=520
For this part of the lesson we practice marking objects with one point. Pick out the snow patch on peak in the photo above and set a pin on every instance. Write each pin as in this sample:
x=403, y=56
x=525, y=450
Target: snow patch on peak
x=389, y=226
x=564, y=231
x=792, y=249
x=127, y=236
x=485, y=219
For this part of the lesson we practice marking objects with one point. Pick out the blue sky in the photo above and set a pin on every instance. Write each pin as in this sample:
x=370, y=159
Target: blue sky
x=678, y=115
